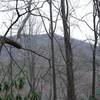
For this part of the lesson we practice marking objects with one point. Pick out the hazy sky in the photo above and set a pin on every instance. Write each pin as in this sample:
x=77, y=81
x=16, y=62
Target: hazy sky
x=83, y=8
x=78, y=29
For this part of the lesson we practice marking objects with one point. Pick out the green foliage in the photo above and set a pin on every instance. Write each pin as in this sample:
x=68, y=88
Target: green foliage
x=98, y=91
x=17, y=84
x=18, y=97
x=13, y=83
x=92, y=98
x=0, y=87
x=25, y=98
x=6, y=86
x=9, y=97
x=33, y=95
x=1, y=98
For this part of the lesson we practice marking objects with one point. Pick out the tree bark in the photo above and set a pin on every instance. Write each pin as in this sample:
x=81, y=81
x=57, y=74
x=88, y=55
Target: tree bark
x=94, y=47
x=52, y=53
x=68, y=54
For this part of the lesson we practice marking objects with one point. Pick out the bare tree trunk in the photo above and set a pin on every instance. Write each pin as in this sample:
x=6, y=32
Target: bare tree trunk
x=94, y=63
x=95, y=12
x=32, y=70
x=52, y=53
x=10, y=69
x=25, y=20
x=31, y=56
x=68, y=52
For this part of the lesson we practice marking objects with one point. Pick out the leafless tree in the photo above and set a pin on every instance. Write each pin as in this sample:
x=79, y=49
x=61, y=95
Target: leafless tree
x=68, y=51
x=96, y=14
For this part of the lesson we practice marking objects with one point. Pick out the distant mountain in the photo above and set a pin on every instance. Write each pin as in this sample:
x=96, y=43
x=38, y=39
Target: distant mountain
x=44, y=41
x=41, y=44
x=82, y=59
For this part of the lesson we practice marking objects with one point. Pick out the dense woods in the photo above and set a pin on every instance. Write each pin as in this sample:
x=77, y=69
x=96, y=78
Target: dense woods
x=40, y=58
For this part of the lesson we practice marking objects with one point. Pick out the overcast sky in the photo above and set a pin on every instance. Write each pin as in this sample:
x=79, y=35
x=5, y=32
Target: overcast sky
x=83, y=8
x=79, y=29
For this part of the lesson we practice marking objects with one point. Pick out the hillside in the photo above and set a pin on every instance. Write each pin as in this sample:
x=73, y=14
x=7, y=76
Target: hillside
x=41, y=44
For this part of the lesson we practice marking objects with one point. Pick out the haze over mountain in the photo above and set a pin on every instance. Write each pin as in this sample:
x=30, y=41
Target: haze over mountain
x=44, y=40
x=82, y=60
